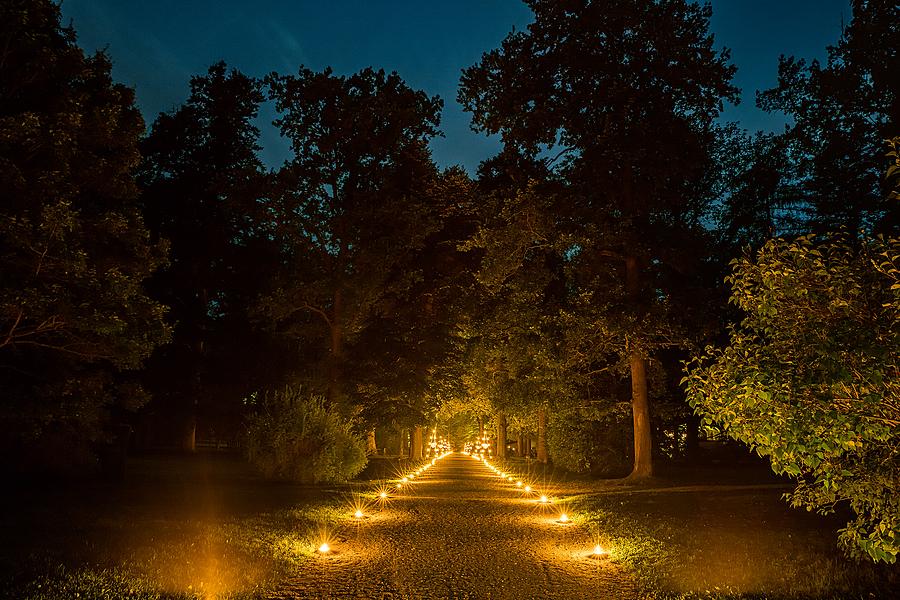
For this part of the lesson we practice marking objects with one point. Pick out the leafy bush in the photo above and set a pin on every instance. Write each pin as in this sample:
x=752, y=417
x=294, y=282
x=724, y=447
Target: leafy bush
x=810, y=378
x=299, y=438
x=594, y=440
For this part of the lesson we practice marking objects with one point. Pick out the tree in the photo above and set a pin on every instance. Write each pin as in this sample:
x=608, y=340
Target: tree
x=74, y=252
x=353, y=210
x=841, y=112
x=810, y=377
x=623, y=97
x=203, y=190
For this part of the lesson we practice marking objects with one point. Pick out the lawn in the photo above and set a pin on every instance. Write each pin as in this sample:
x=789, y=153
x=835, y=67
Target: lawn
x=206, y=526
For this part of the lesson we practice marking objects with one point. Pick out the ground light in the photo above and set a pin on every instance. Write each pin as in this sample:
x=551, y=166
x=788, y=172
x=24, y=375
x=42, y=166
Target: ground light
x=599, y=552
x=358, y=514
x=325, y=548
x=382, y=495
x=564, y=518
x=527, y=488
x=518, y=484
x=543, y=499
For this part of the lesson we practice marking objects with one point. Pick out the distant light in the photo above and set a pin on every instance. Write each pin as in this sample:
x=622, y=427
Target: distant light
x=399, y=485
x=598, y=550
x=382, y=495
x=543, y=499
x=325, y=548
x=518, y=484
x=358, y=514
x=405, y=479
x=564, y=518
x=527, y=488
x=412, y=476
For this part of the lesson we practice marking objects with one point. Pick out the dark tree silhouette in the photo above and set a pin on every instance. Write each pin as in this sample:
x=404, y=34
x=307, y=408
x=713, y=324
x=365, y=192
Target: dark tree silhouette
x=74, y=251
x=623, y=96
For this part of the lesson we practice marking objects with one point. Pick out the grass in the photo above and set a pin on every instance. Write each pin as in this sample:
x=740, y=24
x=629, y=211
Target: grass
x=177, y=528
x=705, y=541
x=206, y=526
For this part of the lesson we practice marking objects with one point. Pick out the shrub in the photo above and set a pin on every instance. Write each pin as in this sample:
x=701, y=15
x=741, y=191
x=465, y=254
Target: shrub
x=300, y=438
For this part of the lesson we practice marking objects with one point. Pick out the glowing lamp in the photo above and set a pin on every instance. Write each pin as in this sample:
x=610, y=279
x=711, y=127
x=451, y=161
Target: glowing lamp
x=518, y=484
x=399, y=485
x=527, y=488
x=325, y=548
x=405, y=479
x=358, y=514
x=543, y=499
x=564, y=518
x=382, y=495
x=599, y=551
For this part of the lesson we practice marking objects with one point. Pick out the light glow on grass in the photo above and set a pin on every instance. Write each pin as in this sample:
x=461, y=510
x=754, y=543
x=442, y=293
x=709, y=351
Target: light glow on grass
x=564, y=518
x=324, y=548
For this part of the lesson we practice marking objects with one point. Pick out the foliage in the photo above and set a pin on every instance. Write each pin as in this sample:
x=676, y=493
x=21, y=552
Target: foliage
x=840, y=112
x=810, y=377
x=202, y=184
x=617, y=107
x=594, y=438
x=74, y=251
x=298, y=438
x=352, y=210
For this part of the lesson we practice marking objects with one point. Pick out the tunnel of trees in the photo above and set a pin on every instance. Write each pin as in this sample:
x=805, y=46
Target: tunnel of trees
x=628, y=276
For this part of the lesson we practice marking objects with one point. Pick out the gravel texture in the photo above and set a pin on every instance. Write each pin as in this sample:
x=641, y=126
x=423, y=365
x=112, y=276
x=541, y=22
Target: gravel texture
x=458, y=532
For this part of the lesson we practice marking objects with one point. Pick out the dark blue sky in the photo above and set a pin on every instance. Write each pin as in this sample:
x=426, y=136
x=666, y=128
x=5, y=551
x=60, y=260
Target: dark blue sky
x=156, y=46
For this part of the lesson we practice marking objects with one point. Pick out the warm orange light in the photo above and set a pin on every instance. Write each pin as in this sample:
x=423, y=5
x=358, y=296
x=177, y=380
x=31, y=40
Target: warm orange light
x=564, y=518
x=358, y=514
x=405, y=479
x=527, y=488
x=325, y=548
x=598, y=550
x=399, y=485
x=518, y=484
x=382, y=495
x=543, y=499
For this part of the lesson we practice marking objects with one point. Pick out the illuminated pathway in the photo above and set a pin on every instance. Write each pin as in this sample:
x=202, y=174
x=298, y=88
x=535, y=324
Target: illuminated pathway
x=456, y=531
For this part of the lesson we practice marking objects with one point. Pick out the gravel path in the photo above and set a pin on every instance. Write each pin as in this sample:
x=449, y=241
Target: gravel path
x=458, y=532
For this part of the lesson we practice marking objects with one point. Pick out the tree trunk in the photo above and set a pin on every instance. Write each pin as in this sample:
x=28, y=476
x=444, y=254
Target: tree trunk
x=415, y=448
x=480, y=429
x=501, y=435
x=692, y=438
x=404, y=448
x=520, y=445
x=336, y=349
x=189, y=443
x=371, y=445
x=640, y=402
x=542, y=455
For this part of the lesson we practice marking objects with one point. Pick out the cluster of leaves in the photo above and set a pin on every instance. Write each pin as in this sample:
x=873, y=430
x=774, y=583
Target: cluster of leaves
x=297, y=437
x=810, y=377
x=74, y=251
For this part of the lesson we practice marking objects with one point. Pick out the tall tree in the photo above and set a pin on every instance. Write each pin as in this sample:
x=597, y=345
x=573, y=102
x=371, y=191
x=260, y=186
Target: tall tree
x=352, y=208
x=624, y=95
x=203, y=188
x=74, y=252
x=841, y=112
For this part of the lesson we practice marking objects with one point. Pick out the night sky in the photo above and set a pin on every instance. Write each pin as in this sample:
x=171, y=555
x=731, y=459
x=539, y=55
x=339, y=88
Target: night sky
x=156, y=47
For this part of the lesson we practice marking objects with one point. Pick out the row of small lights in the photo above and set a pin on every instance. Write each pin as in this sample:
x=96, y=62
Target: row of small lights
x=543, y=499
x=383, y=494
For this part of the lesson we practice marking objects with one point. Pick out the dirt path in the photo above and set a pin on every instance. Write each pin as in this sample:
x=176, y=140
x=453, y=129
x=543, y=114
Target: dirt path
x=458, y=532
